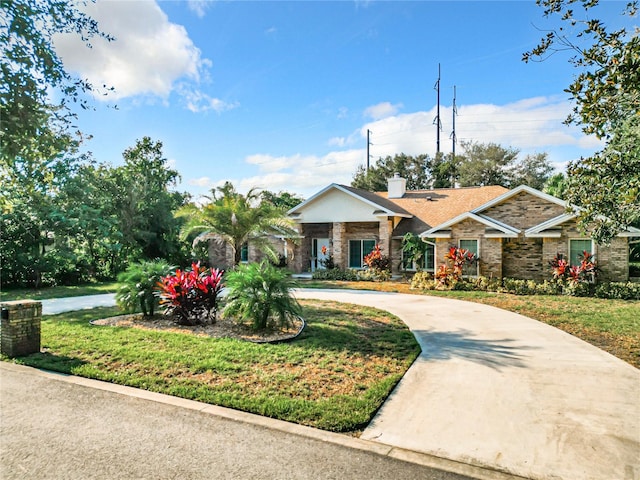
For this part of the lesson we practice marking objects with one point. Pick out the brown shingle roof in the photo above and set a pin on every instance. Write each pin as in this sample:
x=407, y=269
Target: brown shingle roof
x=433, y=207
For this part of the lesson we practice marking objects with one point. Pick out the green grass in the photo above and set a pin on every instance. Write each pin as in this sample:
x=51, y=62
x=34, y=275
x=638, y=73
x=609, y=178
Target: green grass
x=58, y=292
x=335, y=376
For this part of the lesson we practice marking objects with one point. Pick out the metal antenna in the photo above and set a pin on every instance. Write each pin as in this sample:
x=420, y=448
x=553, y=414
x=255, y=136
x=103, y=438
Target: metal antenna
x=368, y=144
x=453, y=137
x=437, y=121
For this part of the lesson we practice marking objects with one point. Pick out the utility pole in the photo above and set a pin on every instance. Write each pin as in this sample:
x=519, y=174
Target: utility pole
x=453, y=133
x=368, y=144
x=437, y=121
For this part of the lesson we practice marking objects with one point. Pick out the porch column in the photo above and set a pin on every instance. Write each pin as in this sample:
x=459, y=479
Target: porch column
x=384, y=233
x=340, y=247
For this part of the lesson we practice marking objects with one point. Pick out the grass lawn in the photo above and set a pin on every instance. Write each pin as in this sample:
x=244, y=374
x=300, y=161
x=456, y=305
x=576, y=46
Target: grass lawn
x=58, y=292
x=612, y=325
x=334, y=377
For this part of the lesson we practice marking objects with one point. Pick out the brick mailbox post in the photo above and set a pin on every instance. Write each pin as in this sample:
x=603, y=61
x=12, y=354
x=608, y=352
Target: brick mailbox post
x=20, y=327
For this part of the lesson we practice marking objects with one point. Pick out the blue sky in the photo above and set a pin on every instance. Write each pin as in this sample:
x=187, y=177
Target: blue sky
x=279, y=95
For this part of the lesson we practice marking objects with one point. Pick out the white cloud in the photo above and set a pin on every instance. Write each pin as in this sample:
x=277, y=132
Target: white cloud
x=531, y=125
x=199, y=7
x=197, y=101
x=382, y=110
x=149, y=56
x=204, y=182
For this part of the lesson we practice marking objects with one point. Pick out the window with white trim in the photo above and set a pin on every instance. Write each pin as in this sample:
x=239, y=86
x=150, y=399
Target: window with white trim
x=472, y=245
x=577, y=246
x=358, y=249
x=428, y=262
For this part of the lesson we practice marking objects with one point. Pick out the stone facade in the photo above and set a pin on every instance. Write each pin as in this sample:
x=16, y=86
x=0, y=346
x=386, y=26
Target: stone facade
x=20, y=327
x=524, y=211
x=522, y=258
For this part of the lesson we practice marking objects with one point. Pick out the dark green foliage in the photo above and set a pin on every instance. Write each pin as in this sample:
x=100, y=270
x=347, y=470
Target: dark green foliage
x=138, y=286
x=606, y=99
x=261, y=294
x=340, y=274
x=237, y=219
x=413, y=169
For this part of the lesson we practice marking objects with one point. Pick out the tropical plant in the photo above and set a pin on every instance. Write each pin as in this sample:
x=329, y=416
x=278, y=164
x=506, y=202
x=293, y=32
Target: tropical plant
x=261, y=294
x=378, y=266
x=414, y=249
x=450, y=273
x=138, y=283
x=237, y=219
x=192, y=295
x=565, y=273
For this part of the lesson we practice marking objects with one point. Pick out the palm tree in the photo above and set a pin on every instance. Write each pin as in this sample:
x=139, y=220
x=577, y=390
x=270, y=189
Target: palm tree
x=237, y=219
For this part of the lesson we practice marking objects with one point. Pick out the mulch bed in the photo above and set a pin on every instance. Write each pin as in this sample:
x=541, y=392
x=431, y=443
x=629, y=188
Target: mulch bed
x=222, y=328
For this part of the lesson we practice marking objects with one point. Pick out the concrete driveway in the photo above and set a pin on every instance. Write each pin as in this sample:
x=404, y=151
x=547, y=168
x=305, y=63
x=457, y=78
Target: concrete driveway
x=497, y=389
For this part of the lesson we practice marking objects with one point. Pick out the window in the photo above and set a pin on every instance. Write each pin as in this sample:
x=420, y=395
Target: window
x=470, y=269
x=428, y=262
x=576, y=247
x=244, y=253
x=358, y=249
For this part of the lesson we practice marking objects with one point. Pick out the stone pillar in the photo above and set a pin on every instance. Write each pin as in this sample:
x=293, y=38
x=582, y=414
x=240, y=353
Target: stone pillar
x=20, y=327
x=340, y=246
x=384, y=233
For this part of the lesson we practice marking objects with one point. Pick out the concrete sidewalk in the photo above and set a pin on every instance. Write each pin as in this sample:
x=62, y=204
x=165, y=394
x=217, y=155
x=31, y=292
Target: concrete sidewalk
x=497, y=389
x=60, y=305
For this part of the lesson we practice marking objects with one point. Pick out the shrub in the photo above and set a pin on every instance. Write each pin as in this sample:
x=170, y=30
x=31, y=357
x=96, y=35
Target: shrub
x=449, y=274
x=618, y=290
x=335, y=274
x=373, y=275
x=192, y=295
x=519, y=287
x=260, y=294
x=423, y=281
x=138, y=286
x=375, y=260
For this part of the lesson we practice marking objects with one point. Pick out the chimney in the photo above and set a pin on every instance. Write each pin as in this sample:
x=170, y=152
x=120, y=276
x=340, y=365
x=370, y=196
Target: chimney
x=397, y=186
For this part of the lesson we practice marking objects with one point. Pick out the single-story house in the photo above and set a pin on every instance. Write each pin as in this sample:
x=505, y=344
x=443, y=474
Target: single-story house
x=514, y=233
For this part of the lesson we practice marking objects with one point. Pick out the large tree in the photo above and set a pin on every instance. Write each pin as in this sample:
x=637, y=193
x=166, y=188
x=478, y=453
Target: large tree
x=236, y=219
x=413, y=169
x=606, y=96
x=34, y=125
x=486, y=164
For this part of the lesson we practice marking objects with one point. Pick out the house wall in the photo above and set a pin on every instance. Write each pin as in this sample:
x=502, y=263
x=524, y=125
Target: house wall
x=524, y=211
x=337, y=206
x=612, y=260
x=523, y=258
x=490, y=249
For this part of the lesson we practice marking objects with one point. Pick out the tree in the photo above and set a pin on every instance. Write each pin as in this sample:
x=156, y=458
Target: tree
x=413, y=169
x=556, y=185
x=606, y=95
x=237, y=219
x=533, y=170
x=33, y=126
x=486, y=164
x=144, y=196
x=285, y=201
x=609, y=182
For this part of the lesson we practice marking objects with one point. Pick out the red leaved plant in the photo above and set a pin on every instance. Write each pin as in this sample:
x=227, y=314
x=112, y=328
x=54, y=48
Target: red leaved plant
x=192, y=295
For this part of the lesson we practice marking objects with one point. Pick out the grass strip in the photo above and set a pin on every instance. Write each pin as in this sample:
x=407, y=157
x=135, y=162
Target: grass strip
x=335, y=376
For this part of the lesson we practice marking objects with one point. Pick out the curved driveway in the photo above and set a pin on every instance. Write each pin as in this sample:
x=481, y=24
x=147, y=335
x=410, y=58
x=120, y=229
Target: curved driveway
x=497, y=389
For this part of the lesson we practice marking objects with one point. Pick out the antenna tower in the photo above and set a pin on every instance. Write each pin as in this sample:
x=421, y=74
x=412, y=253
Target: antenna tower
x=437, y=121
x=453, y=137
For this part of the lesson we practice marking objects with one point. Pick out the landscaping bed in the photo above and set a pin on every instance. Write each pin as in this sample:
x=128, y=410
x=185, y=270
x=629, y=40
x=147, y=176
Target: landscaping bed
x=334, y=376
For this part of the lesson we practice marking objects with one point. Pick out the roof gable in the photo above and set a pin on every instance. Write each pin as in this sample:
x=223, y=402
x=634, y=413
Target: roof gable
x=516, y=191
x=338, y=203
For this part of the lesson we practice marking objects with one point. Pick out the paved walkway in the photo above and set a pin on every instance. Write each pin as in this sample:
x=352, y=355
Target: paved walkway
x=496, y=389
x=61, y=305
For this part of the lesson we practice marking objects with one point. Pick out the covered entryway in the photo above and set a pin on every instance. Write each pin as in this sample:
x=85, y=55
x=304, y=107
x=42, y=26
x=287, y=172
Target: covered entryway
x=320, y=251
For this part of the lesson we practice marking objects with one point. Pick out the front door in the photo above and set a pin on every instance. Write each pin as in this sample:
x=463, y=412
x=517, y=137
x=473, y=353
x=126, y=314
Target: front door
x=319, y=253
